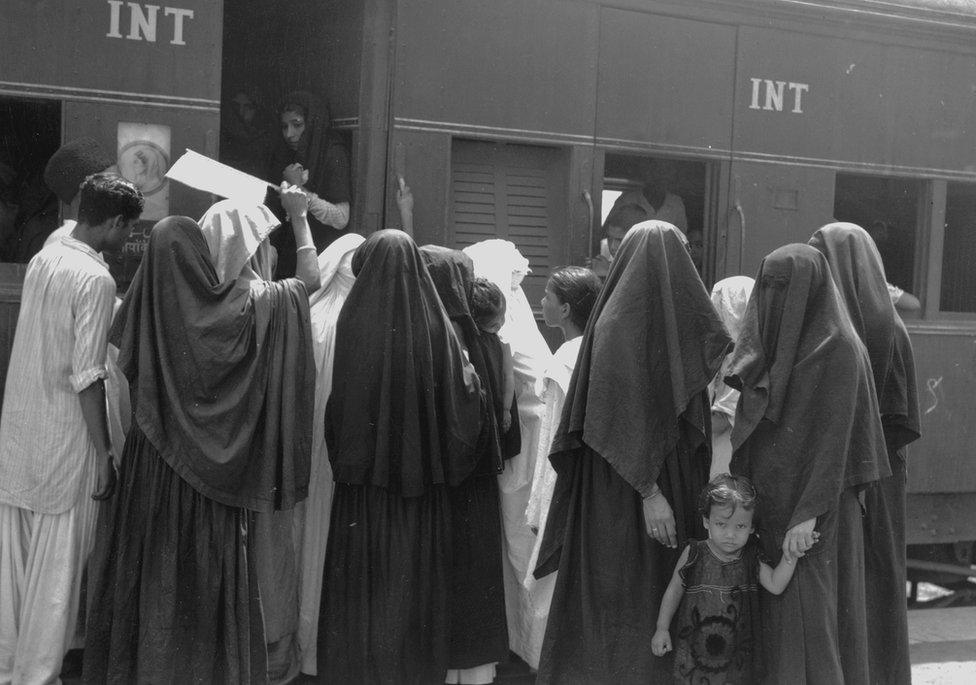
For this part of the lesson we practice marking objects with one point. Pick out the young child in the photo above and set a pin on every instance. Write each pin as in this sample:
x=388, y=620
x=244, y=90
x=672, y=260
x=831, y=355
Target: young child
x=488, y=310
x=715, y=592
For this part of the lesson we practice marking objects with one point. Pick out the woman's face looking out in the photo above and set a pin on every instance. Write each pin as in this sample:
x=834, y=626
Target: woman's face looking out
x=292, y=127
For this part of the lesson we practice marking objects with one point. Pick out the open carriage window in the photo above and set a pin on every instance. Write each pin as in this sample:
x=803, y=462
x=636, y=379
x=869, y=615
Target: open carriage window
x=958, y=292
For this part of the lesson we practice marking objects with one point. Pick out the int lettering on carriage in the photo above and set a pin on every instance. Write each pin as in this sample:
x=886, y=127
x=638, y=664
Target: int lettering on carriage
x=144, y=21
x=775, y=94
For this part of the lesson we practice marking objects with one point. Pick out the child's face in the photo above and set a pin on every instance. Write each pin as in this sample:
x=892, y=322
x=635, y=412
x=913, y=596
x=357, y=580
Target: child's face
x=729, y=530
x=494, y=325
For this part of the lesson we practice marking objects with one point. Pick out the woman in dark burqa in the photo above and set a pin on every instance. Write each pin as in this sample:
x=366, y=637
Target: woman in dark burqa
x=402, y=425
x=222, y=382
x=808, y=433
x=310, y=155
x=858, y=272
x=479, y=632
x=631, y=455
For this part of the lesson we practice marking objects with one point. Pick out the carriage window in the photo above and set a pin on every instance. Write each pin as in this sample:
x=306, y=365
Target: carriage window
x=888, y=209
x=639, y=188
x=959, y=250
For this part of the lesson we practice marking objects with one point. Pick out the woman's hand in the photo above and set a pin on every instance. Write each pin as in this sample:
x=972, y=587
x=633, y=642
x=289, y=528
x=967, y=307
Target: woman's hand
x=294, y=200
x=108, y=476
x=659, y=520
x=295, y=174
x=799, y=539
x=661, y=642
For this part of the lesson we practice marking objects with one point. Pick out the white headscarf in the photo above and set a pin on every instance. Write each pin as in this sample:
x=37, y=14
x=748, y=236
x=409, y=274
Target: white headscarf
x=729, y=297
x=236, y=234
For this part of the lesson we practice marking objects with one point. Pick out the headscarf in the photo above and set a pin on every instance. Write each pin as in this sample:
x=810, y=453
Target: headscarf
x=222, y=376
x=858, y=273
x=236, y=234
x=405, y=407
x=729, y=297
x=652, y=345
x=807, y=425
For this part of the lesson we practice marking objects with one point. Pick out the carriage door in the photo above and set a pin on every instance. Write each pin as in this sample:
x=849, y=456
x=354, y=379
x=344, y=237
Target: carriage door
x=517, y=193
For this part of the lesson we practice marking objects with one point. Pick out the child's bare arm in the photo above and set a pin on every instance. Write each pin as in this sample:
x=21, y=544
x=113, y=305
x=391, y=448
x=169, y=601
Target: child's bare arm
x=661, y=642
x=776, y=579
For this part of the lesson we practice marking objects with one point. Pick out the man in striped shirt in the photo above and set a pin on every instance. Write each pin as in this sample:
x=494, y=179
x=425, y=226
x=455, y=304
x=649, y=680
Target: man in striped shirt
x=54, y=444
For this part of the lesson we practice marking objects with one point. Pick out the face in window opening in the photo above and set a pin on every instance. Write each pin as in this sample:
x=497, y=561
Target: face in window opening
x=292, y=127
x=615, y=236
x=695, y=247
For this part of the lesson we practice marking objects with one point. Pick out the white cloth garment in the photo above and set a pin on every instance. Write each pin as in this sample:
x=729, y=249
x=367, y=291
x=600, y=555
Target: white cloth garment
x=671, y=210
x=59, y=350
x=501, y=263
x=557, y=379
x=335, y=271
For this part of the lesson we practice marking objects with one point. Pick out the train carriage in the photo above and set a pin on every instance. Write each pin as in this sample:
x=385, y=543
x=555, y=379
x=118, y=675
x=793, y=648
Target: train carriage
x=524, y=119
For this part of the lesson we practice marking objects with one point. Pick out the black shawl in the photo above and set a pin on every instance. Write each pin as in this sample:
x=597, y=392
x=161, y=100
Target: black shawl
x=807, y=425
x=222, y=378
x=858, y=273
x=405, y=406
x=652, y=345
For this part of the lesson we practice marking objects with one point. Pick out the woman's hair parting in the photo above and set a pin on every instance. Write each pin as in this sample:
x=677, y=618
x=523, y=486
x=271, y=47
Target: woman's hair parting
x=577, y=287
x=487, y=301
x=725, y=490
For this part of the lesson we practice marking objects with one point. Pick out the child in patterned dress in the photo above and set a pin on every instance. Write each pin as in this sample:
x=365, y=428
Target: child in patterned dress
x=715, y=592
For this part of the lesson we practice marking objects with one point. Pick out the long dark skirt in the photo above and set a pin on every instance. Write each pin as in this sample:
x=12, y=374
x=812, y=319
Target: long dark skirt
x=384, y=615
x=479, y=630
x=611, y=580
x=172, y=598
x=884, y=546
x=802, y=643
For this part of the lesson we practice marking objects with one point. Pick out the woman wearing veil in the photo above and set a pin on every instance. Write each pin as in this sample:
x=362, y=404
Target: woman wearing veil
x=500, y=262
x=858, y=272
x=335, y=271
x=402, y=425
x=219, y=364
x=310, y=155
x=729, y=297
x=808, y=434
x=631, y=455
x=479, y=633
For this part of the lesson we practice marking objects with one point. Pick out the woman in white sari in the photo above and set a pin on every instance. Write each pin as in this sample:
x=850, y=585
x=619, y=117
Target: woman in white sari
x=335, y=269
x=501, y=263
x=570, y=295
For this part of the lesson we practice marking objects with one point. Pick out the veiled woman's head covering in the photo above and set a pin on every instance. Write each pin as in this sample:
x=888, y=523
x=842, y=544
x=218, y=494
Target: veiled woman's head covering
x=452, y=272
x=729, y=297
x=237, y=234
x=652, y=345
x=405, y=408
x=222, y=377
x=807, y=424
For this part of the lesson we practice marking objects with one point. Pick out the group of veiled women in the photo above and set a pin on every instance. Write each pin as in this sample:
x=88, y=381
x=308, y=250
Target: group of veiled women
x=322, y=481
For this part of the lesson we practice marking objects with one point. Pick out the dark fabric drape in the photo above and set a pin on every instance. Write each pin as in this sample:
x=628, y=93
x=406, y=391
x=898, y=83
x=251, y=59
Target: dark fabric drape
x=222, y=379
x=808, y=433
x=858, y=272
x=478, y=628
x=636, y=414
x=325, y=158
x=172, y=591
x=405, y=406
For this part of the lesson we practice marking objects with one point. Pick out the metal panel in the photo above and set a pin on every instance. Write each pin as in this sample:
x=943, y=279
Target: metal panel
x=113, y=50
x=665, y=80
x=812, y=98
x=942, y=461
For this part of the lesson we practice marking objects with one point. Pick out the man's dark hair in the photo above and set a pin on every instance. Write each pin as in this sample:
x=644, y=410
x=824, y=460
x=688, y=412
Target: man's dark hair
x=104, y=196
x=625, y=216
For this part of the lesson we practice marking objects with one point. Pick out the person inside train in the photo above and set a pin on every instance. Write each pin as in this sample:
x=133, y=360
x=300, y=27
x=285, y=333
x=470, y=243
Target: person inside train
x=244, y=133
x=55, y=450
x=808, y=434
x=309, y=154
x=655, y=197
x=856, y=267
x=696, y=248
x=631, y=456
x=620, y=220
x=222, y=379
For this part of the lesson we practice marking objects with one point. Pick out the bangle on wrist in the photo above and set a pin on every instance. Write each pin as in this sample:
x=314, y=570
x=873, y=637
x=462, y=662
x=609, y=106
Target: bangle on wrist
x=305, y=247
